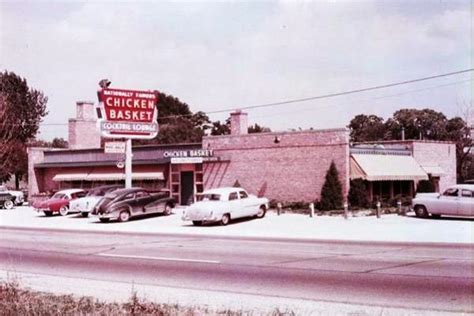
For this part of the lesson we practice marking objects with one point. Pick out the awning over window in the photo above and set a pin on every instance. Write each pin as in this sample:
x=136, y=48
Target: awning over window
x=386, y=168
x=108, y=176
x=434, y=170
x=69, y=176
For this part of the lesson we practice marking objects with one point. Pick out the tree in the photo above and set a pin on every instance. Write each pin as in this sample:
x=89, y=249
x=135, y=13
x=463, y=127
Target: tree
x=365, y=128
x=258, y=129
x=418, y=124
x=459, y=132
x=21, y=111
x=331, y=193
x=358, y=194
x=219, y=128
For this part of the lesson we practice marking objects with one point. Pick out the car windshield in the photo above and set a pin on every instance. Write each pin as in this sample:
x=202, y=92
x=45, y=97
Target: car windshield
x=58, y=195
x=96, y=192
x=210, y=197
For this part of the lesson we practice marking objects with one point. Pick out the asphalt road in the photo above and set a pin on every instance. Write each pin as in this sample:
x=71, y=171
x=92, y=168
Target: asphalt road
x=438, y=277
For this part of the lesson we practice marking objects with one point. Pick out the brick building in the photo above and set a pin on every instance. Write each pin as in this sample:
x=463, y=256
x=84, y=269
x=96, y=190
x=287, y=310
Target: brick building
x=283, y=166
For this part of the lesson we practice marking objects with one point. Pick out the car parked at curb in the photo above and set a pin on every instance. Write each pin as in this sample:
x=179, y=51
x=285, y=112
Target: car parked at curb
x=59, y=202
x=456, y=200
x=86, y=204
x=19, y=196
x=7, y=200
x=124, y=204
x=225, y=204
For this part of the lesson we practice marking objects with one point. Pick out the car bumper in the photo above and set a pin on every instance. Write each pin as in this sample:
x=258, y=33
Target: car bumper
x=202, y=218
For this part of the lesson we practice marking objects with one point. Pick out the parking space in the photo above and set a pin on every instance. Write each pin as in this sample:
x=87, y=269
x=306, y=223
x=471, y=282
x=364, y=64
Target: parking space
x=388, y=228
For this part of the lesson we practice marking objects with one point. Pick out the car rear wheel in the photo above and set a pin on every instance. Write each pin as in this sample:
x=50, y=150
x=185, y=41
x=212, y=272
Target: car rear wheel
x=84, y=214
x=124, y=216
x=420, y=211
x=197, y=223
x=104, y=220
x=168, y=209
x=261, y=212
x=8, y=204
x=225, y=219
x=48, y=213
x=64, y=210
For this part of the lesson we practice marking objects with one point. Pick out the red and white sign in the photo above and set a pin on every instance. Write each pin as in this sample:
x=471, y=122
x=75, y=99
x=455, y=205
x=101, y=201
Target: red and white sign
x=128, y=113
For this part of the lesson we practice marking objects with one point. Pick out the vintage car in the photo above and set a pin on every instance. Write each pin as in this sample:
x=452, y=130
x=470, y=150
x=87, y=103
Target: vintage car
x=224, y=204
x=123, y=204
x=19, y=196
x=457, y=200
x=59, y=202
x=86, y=204
x=7, y=200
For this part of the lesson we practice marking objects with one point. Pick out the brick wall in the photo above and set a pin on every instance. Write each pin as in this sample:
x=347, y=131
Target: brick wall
x=443, y=154
x=293, y=169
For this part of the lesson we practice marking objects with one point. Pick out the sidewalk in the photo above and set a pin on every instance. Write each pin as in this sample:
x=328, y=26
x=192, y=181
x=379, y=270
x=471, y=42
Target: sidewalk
x=389, y=228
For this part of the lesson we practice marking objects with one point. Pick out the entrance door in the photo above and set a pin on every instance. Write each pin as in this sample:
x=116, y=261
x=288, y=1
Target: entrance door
x=187, y=187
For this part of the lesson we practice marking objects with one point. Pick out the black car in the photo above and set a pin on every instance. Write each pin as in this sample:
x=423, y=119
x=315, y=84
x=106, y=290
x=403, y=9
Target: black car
x=126, y=203
x=7, y=200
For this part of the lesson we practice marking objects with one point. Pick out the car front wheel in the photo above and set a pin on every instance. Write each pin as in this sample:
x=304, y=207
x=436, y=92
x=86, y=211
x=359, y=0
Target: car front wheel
x=261, y=212
x=420, y=211
x=8, y=205
x=64, y=210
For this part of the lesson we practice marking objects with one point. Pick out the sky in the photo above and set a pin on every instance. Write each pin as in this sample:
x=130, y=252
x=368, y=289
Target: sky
x=224, y=55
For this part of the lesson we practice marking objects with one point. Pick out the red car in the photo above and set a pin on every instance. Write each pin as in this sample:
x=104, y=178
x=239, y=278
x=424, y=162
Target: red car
x=59, y=202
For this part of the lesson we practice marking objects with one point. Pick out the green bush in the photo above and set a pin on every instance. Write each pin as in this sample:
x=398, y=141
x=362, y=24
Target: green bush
x=331, y=193
x=358, y=194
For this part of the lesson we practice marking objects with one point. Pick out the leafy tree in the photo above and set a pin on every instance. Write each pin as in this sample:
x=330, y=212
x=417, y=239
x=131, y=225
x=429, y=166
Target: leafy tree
x=219, y=128
x=258, y=129
x=424, y=124
x=365, y=128
x=459, y=132
x=59, y=143
x=331, y=193
x=21, y=111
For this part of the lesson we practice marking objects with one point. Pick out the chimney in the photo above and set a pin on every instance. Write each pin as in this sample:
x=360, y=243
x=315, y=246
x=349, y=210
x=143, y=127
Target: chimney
x=83, y=132
x=238, y=123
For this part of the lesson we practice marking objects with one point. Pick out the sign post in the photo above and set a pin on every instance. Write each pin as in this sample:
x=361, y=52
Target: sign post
x=128, y=114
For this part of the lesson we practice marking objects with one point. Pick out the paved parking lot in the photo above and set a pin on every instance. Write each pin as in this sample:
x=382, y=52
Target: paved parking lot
x=387, y=228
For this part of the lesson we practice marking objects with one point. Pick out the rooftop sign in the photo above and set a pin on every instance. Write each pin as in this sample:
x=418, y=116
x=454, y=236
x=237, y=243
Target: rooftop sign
x=128, y=113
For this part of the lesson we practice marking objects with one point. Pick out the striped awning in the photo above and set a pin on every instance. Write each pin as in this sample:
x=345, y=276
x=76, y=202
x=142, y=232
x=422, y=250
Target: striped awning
x=386, y=168
x=108, y=176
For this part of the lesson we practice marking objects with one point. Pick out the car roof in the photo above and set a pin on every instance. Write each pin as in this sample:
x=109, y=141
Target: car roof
x=224, y=190
x=463, y=186
x=71, y=191
x=125, y=191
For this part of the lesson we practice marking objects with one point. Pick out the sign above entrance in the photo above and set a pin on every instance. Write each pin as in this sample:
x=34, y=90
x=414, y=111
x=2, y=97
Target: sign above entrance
x=188, y=153
x=128, y=113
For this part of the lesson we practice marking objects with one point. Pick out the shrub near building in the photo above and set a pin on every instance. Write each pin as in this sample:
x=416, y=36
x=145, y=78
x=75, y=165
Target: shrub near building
x=331, y=193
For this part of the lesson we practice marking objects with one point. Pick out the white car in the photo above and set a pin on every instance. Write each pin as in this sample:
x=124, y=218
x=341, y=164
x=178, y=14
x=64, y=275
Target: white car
x=457, y=200
x=86, y=204
x=19, y=196
x=224, y=204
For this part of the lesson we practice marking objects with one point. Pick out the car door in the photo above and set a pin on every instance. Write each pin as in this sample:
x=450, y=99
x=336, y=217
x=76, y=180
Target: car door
x=447, y=203
x=235, y=206
x=466, y=203
x=246, y=203
x=142, y=198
